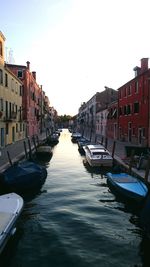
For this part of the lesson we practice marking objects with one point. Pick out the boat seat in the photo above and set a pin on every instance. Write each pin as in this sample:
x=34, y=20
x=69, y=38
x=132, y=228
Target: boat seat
x=5, y=219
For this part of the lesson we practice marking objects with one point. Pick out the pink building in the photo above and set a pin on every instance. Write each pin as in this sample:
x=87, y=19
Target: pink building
x=31, y=99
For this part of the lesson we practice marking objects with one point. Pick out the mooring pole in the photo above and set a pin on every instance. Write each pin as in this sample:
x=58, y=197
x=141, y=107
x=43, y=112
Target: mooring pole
x=147, y=170
x=10, y=161
x=25, y=149
x=113, y=150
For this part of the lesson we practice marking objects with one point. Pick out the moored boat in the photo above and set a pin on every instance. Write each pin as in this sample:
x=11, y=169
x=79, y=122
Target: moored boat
x=23, y=176
x=98, y=155
x=75, y=137
x=127, y=186
x=44, y=151
x=11, y=206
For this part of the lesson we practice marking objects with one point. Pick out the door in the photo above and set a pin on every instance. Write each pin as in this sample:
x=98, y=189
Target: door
x=2, y=142
x=13, y=134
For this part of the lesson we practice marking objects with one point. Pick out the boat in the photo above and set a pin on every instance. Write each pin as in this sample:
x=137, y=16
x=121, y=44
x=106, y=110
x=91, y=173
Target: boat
x=81, y=143
x=44, y=151
x=23, y=176
x=53, y=139
x=98, y=155
x=127, y=186
x=75, y=137
x=11, y=206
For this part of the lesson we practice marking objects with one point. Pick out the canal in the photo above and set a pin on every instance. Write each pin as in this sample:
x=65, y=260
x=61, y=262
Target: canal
x=75, y=221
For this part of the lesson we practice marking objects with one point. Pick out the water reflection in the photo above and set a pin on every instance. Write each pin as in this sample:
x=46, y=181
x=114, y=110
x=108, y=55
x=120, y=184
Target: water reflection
x=74, y=220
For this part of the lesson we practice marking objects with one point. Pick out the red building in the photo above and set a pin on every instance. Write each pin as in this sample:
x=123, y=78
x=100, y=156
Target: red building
x=31, y=99
x=134, y=107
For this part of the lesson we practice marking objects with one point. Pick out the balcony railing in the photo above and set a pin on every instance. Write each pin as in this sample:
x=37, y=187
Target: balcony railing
x=11, y=117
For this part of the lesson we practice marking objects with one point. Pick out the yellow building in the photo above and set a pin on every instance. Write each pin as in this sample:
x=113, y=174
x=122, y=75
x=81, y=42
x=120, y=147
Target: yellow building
x=12, y=127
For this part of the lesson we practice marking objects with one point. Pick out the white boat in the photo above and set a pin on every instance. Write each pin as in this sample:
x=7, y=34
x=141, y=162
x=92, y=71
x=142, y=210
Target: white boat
x=98, y=155
x=11, y=206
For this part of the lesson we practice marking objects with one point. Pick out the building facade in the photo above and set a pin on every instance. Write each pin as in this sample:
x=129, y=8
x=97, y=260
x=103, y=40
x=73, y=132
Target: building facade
x=87, y=116
x=12, y=126
x=32, y=103
x=134, y=111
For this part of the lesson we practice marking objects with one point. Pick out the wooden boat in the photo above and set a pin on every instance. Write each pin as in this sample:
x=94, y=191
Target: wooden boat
x=44, y=151
x=23, y=176
x=97, y=155
x=11, y=206
x=127, y=186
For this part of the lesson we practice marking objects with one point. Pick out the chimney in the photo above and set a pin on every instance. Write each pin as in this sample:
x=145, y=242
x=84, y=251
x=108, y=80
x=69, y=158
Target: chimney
x=144, y=64
x=137, y=71
x=34, y=75
x=28, y=65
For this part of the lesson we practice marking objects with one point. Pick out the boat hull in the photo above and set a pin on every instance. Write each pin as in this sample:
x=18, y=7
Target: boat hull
x=11, y=206
x=98, y=156
x=22, y=177
x=127, y=186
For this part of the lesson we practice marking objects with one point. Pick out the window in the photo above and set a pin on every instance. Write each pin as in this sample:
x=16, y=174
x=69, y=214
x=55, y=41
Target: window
x=125, y=110
x=1, y=49
x=7, y=128
x=129, y=109
x=133, y=131
x=143, y=132
x=20, y=91
x=16, y=127
x=20, y=127
x=129, y=90
x=20, y=74
x=12, y=84
x=136, y=107
x=6, y=80
x=136, y=87
x=120, y=111
x=1, y=104
x=1, y=76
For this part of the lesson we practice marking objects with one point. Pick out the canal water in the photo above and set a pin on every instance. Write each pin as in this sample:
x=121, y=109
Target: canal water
x=75, y=221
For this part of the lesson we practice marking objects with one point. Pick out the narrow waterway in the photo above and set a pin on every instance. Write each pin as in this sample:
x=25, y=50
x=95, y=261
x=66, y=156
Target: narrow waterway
x=75, y=221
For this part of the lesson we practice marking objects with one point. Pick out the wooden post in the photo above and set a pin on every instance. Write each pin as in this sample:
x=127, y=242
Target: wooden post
x=106, y=142
x=25, y=149
x=10, y=161
x=131, y=161
x=37, y=140
x=30, y=151
x=147, y=170
x=113, y=150
x=34, y=143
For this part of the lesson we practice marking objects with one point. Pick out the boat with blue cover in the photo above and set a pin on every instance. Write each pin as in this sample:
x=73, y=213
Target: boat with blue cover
x=23, y=176
x=127, y=186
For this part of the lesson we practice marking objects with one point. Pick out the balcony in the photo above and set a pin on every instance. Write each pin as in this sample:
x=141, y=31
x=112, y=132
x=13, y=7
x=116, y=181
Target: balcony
x=11, y=117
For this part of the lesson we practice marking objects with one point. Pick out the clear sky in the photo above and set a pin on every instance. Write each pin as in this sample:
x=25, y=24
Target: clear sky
x=77, y=47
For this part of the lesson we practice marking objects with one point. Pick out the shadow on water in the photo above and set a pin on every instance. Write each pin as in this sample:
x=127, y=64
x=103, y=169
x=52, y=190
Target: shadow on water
x=95, y=170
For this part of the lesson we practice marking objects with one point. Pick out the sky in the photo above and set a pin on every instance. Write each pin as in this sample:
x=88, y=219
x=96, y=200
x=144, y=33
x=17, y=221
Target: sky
x=76, y=47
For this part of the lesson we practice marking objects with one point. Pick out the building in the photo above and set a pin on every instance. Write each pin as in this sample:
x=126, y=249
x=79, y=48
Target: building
x=32, y=103
x=101, y=124
x=12, y=126
x=134, y=107
x=112, y=121
x=88, y=111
